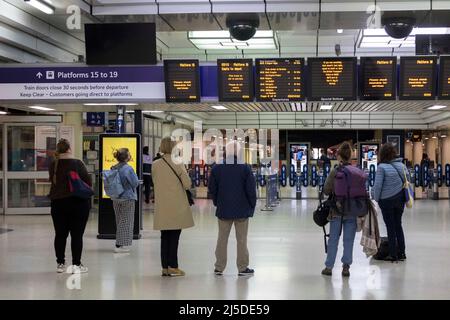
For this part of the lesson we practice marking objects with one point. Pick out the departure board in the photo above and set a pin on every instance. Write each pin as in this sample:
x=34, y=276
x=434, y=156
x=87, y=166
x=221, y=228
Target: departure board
x=235, y=79
x=444, y=77
x=279, y=79
x=332, y=79
x=417, y=77
x=182, y=80
x=378, y=78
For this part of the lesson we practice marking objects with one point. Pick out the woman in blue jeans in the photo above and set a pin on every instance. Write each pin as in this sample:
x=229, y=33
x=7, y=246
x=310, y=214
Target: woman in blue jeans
x=348, y=224
x=388, y=192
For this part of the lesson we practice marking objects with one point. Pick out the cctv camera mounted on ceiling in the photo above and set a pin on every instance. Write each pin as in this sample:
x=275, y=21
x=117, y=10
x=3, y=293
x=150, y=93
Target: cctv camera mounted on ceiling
x=398, y=27
x=242, y=26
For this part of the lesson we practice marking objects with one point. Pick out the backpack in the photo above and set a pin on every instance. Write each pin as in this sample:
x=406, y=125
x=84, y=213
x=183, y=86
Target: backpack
x=350, y=191
x=112, y=184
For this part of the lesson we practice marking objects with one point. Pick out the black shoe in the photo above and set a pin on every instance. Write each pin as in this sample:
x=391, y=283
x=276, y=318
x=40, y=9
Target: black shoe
x=246, y=272
x=402, y=257
x=346, y=270
x=391, y=259
x=327, y=272
x=217, y=272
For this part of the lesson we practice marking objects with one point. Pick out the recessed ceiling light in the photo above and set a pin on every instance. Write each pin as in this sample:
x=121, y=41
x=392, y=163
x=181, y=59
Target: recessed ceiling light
x=326, y=107
x=436, y=107
x=3, y=112
x=219, y=107
x=443, y=135
x=153, y=111
x=340, y=30
x=43, y=6
x=110, y=104
x=41, y=108
x=434, y=136
x=426, y=138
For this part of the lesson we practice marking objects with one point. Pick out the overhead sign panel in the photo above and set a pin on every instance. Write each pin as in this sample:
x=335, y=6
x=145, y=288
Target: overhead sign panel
x=235, y=80
x=279, y=79
x=444, y=77
x=182, y=80
x=417, y=77
x=332, y=79
x=378, y=78
x=81, y=83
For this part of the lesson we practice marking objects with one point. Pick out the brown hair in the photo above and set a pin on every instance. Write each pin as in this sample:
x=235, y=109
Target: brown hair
x=62, y=146
x=121, y=154
x=345, y=151
x=387, y=153
x=167, y=145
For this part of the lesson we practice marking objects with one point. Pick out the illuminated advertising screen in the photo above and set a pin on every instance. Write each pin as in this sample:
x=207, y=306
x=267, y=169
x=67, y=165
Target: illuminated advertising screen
x=298, y=154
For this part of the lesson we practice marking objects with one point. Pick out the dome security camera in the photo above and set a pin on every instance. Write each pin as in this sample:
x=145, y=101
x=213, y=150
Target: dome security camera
x=398, y=27
x=242, y=26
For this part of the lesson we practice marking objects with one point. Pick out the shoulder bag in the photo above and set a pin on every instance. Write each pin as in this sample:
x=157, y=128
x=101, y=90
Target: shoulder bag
x=188, y=192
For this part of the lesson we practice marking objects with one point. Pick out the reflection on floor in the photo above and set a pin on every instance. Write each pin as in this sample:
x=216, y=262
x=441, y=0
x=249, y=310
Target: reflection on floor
x=286, y=251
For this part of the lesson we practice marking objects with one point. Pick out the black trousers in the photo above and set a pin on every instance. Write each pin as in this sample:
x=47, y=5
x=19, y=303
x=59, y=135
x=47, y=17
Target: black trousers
x=392, y=210
x=169, y=248
x=70, y=215
x=147, y=186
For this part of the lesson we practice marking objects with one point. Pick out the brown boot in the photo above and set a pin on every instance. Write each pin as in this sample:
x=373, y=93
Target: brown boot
x=346, y=270
x=327, y=272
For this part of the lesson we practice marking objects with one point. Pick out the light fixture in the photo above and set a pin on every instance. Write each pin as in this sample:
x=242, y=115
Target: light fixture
x=436, y=107
x=219, y=107
x=340, y=30
x=42, y=5
x=3, y=112
x=41, y=108
x=326, y=107
x=110, y=104
x=434, y=136
x=426, y=138
x=378, y=38
x=153, y=111
x=443, y=135
x=206, y=40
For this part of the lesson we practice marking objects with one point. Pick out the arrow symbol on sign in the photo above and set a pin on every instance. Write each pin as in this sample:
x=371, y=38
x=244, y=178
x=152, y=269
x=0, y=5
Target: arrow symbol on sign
x=39, y=75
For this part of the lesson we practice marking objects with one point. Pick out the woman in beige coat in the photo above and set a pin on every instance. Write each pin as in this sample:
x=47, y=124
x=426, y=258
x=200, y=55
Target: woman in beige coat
x=172, y=210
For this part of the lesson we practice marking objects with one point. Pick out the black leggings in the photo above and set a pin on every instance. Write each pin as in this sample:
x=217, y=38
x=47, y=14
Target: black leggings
x=69, y=215
x=147, y=186
x=169, y=248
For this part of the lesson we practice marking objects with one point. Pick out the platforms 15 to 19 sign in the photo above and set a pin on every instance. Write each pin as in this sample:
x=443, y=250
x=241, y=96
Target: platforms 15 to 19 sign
x=332, y=79
x=378, y=78
x=444, y=78
x=417, y=77
x=279, y=79
x=235, y=79
x=182, y=80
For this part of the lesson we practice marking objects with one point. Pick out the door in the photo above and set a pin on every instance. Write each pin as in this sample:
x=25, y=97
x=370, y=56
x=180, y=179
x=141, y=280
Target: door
x=27, y=151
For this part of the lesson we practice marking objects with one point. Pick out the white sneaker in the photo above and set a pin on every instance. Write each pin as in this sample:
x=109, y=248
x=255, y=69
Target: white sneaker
x=60, y=268
x=77, y=269
x=123, y=249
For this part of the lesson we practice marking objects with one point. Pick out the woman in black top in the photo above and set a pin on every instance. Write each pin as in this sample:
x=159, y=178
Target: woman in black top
x=70, y=214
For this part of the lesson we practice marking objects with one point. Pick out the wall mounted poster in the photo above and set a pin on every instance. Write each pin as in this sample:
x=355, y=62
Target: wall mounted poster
x=395, y=140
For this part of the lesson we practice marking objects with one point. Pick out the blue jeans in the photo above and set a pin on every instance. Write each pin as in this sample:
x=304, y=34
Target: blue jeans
x=349, y=231
x=392, y=210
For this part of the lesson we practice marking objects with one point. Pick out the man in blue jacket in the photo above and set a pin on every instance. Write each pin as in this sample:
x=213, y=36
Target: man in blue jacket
x=232, y=188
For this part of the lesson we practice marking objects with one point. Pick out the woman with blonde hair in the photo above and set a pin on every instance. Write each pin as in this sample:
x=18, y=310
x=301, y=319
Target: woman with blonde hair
x=69, y=213
x=172, y=210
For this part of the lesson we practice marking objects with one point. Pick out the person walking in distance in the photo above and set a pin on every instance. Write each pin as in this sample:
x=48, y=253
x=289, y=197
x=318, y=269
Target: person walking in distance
x=172, y=210
x=232, y=188
x=124, y=205
x=69, y=214
x=147, y=173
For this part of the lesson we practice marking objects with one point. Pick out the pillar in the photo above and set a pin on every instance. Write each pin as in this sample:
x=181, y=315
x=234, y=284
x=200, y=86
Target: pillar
x=431, y=146
x=75, y=120
x=408, y=151
x=445, y=155
x=417, y=152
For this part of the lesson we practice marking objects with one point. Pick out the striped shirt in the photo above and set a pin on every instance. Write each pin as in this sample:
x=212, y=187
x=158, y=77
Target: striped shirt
x=388, y=182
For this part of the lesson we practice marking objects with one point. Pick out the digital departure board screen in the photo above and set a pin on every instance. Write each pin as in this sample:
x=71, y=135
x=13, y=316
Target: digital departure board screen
x=182, y=80
x=417, y=77
x=235, y=79
x=378, y=78
x=279, y=79
x=332, y=79
x=444, y=77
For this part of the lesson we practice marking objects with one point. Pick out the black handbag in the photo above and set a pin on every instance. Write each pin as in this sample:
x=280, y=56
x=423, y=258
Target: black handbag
x=189, y=196
x=320, y=215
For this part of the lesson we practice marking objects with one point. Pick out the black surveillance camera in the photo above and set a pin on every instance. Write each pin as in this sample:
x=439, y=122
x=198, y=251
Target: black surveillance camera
x=242, y=26
x=398, y=27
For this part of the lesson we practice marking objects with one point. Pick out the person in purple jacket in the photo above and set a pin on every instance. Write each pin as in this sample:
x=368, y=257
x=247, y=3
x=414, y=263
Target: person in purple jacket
x=232, y=188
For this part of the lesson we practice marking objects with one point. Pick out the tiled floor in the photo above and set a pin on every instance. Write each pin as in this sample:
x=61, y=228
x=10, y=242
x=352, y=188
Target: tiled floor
x=286, y=250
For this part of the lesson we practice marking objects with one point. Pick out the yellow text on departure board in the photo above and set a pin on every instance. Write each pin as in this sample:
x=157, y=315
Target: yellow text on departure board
x=332, y=71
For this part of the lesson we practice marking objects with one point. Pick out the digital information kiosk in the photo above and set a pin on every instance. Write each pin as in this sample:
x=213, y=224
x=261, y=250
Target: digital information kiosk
x=106, y=217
